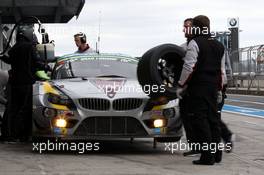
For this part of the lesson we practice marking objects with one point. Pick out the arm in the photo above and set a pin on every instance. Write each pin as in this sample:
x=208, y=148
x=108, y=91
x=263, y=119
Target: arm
x=228, y=66
x=223, y=71
x=190, y=61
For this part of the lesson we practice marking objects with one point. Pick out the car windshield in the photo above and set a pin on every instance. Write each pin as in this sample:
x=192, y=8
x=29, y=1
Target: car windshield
x=96, y=68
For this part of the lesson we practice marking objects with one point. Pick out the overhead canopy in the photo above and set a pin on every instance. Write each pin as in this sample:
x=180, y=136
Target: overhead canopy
x=48, y=11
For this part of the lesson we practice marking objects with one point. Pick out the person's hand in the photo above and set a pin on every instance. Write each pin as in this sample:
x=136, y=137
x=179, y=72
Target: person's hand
x=180, y=91
x=219, y=97
x=48, y=68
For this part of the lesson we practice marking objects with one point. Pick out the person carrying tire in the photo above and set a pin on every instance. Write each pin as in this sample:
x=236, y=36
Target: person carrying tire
x=183, y=103
x=201, y=77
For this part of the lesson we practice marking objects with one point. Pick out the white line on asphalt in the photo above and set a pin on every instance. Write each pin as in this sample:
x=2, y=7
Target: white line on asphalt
x=252, y=123
x=244, y=101
x=244, y=114
x=245, y=95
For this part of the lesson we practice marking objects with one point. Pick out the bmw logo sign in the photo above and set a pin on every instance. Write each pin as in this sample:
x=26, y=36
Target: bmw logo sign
x=233, y=22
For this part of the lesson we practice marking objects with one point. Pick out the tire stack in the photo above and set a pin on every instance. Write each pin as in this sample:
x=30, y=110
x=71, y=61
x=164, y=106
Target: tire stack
x=161, y=66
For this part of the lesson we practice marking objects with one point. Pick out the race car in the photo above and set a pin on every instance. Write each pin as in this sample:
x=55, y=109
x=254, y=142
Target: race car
x=93, y=96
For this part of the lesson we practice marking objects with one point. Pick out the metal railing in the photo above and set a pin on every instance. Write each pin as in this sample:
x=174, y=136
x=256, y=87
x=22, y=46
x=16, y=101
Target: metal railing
x=251, y=59
x=249, y=71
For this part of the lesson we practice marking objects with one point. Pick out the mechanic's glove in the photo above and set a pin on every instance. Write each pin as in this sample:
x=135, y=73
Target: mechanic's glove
x=42, y=75
x=180, y=91
x=219, y=97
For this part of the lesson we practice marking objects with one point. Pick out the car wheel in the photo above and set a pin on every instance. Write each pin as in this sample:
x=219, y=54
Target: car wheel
x=161, y=66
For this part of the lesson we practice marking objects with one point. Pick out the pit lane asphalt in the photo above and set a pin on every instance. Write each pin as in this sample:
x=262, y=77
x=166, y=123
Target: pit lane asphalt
x=249, y=101
x=138, y=158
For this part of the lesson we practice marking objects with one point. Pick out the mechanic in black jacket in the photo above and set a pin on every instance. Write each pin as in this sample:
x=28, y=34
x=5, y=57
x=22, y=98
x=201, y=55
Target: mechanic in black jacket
x=23, y=60
x=201, y=74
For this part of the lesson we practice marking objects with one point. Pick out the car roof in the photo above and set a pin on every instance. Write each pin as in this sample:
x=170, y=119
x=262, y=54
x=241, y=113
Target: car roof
x=96, y=56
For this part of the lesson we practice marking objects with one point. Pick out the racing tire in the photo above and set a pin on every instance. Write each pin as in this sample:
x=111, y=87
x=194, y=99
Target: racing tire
x=161, y=66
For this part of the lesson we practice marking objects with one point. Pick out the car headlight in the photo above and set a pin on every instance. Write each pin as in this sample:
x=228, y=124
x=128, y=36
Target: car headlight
x=51, y=112
x=55, y=96
x=169, y=112
x=60, y=123
x=158, y=123
x=59, y=99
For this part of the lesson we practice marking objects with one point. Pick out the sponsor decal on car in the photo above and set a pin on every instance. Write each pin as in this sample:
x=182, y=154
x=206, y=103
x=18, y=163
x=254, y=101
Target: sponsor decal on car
x=60, y=131
x=110, y=87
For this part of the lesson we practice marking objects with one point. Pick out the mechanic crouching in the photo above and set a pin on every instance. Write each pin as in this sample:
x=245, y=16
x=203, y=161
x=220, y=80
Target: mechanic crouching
x=201, y=77
x=23, y=60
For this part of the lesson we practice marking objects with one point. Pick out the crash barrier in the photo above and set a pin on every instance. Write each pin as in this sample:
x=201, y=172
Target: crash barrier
x=249, y=71
x=161, y=66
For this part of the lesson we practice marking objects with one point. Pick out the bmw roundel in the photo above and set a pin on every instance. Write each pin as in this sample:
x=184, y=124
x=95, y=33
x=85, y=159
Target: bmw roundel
x=233, y=22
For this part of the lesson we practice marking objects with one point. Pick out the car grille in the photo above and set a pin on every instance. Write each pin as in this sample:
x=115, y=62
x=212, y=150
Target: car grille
x=110, y=126
x=122, y=104
x=95, y=104
x=127, y=104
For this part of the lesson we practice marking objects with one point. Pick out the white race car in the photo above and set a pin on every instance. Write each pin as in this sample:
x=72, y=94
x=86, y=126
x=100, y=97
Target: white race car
x=98, y=95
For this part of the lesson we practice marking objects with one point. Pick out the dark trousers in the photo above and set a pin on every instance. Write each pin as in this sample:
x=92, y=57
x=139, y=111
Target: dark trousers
x=183, y=104
x=18, y=115
x=225, y=131
x=6, y=123
x=203, y=120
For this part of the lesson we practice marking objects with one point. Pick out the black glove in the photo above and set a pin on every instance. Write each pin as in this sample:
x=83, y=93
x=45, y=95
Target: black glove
x=47, y=68
x=180, y=91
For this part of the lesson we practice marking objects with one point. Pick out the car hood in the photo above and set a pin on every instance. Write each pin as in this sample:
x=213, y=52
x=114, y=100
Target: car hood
x=100, y=88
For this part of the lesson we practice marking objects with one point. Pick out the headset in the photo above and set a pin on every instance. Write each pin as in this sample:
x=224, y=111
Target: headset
x=82, y=37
